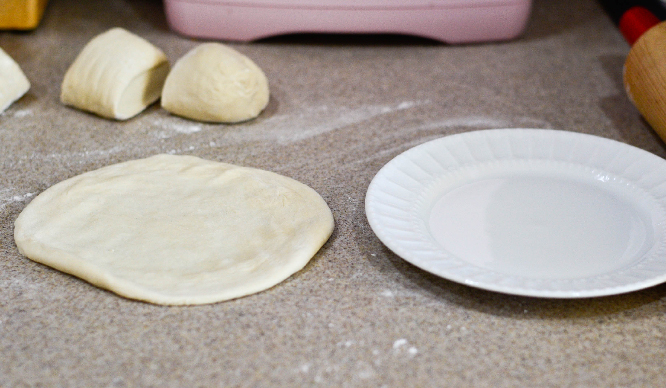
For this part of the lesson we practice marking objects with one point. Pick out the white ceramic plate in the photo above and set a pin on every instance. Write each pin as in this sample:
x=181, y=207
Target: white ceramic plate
x=527, y=212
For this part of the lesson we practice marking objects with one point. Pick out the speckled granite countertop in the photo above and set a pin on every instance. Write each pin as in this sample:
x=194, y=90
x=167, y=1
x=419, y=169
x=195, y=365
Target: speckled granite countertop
x=357, y=315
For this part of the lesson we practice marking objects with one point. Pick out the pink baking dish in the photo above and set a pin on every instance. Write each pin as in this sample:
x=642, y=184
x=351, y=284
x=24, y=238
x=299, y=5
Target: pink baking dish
x=451, y=21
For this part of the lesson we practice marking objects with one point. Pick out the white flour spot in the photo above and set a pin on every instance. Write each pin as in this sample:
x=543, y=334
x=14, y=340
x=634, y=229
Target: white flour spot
x=19, y=198
x=181, y=150
x=400, y=346
x=399, y=343
x=86, y=154
x=187, y=128
x=407, y=105
x=23, y=113
x=346, y=344
x=388, y=293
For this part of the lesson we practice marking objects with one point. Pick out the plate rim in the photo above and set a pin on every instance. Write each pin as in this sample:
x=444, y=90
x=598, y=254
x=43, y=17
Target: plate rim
x=570, y=138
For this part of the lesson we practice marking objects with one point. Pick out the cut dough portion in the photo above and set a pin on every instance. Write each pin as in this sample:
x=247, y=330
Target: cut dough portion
x=116, y=75
x=176, y=229
x=13, y=83
x=215, y=83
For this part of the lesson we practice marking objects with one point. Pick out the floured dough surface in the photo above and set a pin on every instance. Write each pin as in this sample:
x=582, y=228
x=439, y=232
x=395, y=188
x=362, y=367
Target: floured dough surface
x=13, y=83
x=215, y=83
x=176, y=229
x=116, y=75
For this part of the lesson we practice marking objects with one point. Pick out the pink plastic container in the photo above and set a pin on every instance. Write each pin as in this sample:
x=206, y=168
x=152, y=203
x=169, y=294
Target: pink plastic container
x=451, y=21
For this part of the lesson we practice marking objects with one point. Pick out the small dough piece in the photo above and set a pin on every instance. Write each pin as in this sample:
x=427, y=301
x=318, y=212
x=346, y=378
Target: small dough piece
x=176, y=230
x=116, y=75
x=13, y=83
x=215, y=83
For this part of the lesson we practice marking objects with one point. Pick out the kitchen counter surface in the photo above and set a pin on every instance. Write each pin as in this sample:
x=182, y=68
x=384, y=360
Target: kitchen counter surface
x=358, y=315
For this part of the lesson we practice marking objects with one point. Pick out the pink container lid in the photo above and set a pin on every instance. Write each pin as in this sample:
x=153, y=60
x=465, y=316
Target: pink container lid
x=358, y=4
x=452, y=21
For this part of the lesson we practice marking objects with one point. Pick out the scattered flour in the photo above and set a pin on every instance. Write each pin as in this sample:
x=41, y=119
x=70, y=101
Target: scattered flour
x=475, y=122
x=23, y=113
x=402, y=344
x=29, y=287
x=311, y=122
x=407, y=105
x=345, y=344
x=74, y=156
x=399, y=343
x=287, y=128
x=6, y=198
x=175, y=126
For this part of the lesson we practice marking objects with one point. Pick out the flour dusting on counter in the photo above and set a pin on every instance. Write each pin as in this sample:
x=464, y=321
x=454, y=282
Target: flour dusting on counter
x=23, y=113
x=444, y=127
x=403, y=345
x=174, y=126
x=74, y=156
x=314, y=121
x=8, y=199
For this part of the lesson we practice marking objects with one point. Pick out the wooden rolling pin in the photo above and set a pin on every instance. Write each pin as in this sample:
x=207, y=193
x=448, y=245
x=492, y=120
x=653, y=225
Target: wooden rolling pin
x=645, y=68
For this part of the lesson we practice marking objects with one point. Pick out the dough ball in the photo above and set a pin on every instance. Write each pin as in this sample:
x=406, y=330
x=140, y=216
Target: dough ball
x=116, y=75
x=176, y=229
x=215, y=83
x=13, y=83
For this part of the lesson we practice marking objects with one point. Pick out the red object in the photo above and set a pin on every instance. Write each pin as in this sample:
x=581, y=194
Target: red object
x=635, y=22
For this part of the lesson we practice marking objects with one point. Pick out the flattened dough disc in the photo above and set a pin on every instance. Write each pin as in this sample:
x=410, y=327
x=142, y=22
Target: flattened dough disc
x=176, y=229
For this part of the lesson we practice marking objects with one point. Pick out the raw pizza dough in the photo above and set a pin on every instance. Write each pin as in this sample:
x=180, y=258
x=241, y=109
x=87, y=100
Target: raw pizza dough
x=13, y=83
x=215, y=83
x=116, y=75
x=176, y=229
